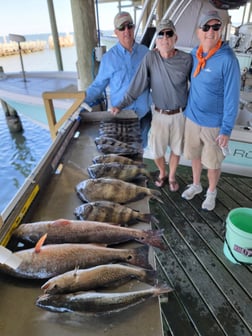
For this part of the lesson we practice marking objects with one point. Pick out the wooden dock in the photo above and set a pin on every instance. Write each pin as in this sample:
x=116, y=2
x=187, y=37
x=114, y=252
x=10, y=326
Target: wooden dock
x=212, y=295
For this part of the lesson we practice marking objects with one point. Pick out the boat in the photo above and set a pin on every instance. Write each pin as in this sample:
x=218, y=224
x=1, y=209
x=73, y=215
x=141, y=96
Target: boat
x=49, y=193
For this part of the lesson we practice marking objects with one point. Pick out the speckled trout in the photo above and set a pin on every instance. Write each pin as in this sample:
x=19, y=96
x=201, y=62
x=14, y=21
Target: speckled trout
x=97, y=302
x=102, y=276
x=113, y=190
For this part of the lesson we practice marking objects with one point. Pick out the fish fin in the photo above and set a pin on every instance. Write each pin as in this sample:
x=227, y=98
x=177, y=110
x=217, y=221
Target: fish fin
x=147, y=217
x=45, y=285
x=163, y=289
x=139, y=256
x=156, y=195
x=154, y=238
x=154, y=220
x=62, y=221
x=40, y=243
x=91, y=173
x=151, y=277
x=77, y=267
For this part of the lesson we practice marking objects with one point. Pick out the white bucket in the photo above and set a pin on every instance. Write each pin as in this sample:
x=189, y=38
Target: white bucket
x=238, y=242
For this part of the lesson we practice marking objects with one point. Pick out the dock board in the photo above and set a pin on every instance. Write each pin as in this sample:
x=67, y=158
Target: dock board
x=18, y=313
x=212, y=295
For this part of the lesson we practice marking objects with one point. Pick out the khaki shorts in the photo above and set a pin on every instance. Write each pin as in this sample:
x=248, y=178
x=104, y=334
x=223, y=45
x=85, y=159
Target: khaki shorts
x=200, y=142
x=166, y=130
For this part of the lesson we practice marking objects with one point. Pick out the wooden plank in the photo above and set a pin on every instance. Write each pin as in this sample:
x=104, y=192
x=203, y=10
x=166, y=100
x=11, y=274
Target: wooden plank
x=211, y=293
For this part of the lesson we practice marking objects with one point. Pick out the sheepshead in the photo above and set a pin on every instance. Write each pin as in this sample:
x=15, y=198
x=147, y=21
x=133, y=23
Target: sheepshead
x=117, y=170
x=97, y=303
x=109, y=145
x=109, y=149
x=113, y=190
x=124, y=137
x=102, y=276
x=110, y=212
x=70, y=231
x=107, y=158
x=43, y=262
x=111, y=141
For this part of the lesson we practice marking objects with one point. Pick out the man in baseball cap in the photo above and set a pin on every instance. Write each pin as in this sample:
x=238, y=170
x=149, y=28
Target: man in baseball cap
x=117, y=68
x=165, y=25
x=121, y=18
x=210, y=15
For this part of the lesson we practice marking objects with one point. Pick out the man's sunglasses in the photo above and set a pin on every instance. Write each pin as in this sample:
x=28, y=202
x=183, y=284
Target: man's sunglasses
x=215, y=27
x=167, y=33
x=128, y=25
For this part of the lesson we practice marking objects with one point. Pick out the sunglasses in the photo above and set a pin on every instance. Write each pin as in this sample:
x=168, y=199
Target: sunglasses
x=167, y=33
x=215, y=27
x=128, y=25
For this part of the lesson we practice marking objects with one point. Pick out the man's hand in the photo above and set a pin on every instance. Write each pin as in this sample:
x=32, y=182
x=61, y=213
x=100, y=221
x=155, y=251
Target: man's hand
x=114, y=110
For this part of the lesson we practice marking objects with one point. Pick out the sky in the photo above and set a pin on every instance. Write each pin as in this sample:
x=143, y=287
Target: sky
x=25, y=17
x=31, y=16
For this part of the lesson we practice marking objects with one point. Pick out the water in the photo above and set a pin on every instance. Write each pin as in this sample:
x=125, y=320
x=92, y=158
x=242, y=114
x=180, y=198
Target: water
x=46, y=60
x=19, y=155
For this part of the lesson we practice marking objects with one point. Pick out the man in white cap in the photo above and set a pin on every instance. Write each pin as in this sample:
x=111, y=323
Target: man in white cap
x=117, y=68
x=212, y=106
x=165, y=71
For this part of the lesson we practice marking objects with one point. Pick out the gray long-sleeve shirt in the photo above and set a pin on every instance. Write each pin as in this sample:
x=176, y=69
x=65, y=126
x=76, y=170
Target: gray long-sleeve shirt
x=167, y=78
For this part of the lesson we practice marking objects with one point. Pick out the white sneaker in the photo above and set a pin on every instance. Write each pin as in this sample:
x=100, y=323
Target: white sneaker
x=191, y=191
x=209, y=203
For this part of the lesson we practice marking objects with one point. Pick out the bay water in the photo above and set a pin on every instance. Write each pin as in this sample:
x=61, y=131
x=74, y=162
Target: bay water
x=21, y=152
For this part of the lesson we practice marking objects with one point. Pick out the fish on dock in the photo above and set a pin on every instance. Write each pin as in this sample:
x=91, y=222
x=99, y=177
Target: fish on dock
x=109, y=149
x=98, y=303
x=117, y=170
x=101, y=276
x=108, y=145
x=44, y=262
x=72, y=231
x=113, y=190
x=107, y=158
x=111, y=212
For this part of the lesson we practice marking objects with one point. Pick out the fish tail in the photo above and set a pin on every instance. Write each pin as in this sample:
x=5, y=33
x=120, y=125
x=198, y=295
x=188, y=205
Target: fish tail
x=139, y=256
x=147, y=217
x=154, y=220
x=162, y=290
x=156, y=195
x=151, y=277
x=154, y=238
